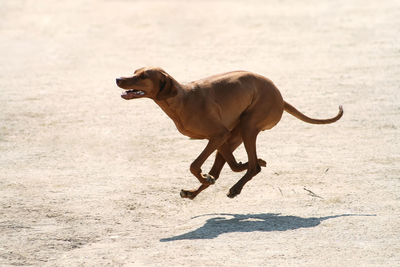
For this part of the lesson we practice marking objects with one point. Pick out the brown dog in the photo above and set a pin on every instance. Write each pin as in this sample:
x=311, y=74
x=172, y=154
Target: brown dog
x=227, y=109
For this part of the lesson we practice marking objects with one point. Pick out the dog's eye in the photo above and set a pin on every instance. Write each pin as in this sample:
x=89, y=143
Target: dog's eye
x=143, y=76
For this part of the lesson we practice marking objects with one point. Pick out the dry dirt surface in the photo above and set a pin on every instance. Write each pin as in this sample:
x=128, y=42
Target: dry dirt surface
x=88, y=179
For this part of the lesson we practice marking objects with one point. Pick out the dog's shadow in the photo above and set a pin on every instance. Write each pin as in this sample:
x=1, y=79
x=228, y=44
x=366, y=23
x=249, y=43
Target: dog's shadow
x=264, y=222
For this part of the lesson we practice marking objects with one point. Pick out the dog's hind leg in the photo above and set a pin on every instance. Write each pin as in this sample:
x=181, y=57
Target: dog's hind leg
x=224, y=152
x=249, y=136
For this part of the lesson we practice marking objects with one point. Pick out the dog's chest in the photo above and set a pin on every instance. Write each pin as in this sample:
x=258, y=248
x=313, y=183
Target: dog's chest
x=188, y=131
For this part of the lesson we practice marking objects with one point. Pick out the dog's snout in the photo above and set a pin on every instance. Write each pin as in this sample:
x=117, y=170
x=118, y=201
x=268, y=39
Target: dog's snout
x=119, y=81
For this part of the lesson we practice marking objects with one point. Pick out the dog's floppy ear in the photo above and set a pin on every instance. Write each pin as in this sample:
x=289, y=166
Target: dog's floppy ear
x=167, y=88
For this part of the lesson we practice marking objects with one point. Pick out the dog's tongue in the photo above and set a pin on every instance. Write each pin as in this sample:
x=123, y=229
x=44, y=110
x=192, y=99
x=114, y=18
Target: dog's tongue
x=129, y=94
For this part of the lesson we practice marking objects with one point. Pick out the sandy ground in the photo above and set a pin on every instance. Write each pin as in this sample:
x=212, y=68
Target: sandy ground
x=88, y=179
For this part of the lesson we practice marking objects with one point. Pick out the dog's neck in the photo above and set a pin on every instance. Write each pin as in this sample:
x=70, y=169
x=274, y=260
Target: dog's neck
x=172, y=105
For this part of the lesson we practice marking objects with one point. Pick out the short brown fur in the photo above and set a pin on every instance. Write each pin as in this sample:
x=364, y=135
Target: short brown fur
x=227, y=109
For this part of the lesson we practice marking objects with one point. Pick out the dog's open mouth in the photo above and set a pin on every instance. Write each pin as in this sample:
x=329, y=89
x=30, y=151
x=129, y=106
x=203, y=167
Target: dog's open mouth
x=132, y=93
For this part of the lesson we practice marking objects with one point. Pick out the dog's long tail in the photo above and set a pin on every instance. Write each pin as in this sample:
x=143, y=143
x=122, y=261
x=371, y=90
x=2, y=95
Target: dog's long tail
x=293, y=111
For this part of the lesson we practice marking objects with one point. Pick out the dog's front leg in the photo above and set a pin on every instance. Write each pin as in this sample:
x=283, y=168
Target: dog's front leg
x=214, y=172
x=195, y=167
x=226, y=152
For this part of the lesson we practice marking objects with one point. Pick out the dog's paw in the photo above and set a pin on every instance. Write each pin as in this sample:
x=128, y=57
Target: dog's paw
x=208, y=178
x=233, y=192
x=262, y=163
x=187, y=194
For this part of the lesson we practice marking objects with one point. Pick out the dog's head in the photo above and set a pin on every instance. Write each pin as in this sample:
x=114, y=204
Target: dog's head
x=153, y=83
